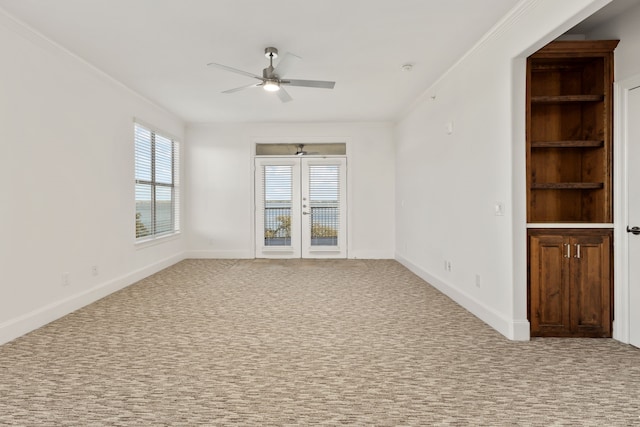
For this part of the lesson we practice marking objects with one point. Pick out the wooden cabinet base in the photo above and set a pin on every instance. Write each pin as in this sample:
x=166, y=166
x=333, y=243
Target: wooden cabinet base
x=570, y=282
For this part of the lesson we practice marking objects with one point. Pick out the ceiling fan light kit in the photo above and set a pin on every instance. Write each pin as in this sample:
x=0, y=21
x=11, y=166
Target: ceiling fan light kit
x=272, y=77
x=271, y=86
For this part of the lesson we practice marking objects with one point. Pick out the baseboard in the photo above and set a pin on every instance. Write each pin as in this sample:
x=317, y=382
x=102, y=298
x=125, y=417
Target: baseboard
x=521, y=330
x=219, y=255
x=205, y=254
x=517, y=330
x=35, y=319
x=370, y=255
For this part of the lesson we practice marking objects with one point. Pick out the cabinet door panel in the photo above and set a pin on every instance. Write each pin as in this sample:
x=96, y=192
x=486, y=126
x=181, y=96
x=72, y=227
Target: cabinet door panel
x=549, y=299
x=590, y=286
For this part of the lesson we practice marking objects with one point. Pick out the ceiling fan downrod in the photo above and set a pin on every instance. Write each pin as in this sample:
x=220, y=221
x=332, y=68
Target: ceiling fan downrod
x=271, y=82
x=269, y=52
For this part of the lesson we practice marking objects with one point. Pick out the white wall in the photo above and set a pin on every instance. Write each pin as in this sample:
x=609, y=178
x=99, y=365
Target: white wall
x=625, y=28
x=447, y=184
x=219, y=176
x=66, y=136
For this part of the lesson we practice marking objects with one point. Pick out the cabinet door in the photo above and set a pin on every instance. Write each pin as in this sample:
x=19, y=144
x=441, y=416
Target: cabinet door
x=549, y=285
x=590, y=285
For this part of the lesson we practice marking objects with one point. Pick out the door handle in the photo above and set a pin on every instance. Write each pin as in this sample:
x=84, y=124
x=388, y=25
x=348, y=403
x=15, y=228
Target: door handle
x=306, y=213
x=633, y=230
x=568, y=254
x=577, y=255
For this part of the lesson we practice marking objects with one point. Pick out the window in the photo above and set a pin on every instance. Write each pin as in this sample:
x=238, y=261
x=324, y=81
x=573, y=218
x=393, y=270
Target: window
x=156, y=173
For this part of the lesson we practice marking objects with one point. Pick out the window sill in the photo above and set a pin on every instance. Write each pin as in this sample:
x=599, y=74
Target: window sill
x=153, y=241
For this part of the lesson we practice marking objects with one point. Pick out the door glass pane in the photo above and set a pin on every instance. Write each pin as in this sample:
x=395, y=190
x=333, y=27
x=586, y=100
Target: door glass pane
x=324, y=198
x=278, y=196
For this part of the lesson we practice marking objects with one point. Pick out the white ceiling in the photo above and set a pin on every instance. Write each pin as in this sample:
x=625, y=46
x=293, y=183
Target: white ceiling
x=613, y=9
x=160, y=49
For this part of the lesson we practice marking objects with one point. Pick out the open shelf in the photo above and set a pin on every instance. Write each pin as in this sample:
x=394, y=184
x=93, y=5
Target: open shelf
x=567, y=186
x=568, y=144
x=557, y=99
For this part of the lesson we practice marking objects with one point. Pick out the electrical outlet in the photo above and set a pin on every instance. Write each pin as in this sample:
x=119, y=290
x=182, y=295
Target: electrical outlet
x=477, y=280
x=94, y=270
x=65, y=279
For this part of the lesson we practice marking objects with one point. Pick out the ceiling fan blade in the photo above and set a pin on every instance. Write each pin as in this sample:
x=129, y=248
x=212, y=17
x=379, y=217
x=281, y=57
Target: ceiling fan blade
x=284, y=95
x=234, y=70
x=309, y=83
x=242, y=88
x=285, y=64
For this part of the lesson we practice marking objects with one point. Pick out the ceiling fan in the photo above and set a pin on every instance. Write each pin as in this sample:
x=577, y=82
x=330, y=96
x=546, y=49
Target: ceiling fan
x=272, y=79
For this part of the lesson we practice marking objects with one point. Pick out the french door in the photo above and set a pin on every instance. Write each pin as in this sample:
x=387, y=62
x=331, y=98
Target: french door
x=300, y=207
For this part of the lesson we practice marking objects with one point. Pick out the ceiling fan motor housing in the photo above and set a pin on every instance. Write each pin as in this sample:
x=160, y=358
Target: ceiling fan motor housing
x=267, y=73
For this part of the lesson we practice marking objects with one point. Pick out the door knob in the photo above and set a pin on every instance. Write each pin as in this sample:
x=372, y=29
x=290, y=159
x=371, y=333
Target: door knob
x=633, y=230
x=306, y=213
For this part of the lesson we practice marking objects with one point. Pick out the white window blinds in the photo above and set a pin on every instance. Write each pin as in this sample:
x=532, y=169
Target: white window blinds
x=324, y=198
x=277, y=203
x=156, y=186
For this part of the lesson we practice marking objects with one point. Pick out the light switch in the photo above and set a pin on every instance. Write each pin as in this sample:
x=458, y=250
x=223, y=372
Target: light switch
x=499, y=209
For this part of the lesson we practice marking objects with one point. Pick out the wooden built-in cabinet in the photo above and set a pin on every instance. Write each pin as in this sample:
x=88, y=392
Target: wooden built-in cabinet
x=569, y=86
x=570, y=282
x=569, y=181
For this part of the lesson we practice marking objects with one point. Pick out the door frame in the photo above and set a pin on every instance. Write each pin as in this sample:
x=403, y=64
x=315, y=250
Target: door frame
x=621, y=287
x=255, y=140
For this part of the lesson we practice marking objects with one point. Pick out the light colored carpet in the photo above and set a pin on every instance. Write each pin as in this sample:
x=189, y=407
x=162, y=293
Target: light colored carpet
x=350, y=342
